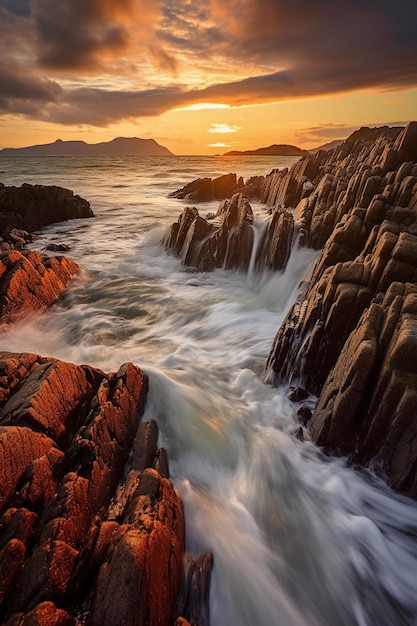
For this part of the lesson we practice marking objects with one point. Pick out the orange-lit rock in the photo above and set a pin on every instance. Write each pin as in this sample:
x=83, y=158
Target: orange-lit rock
x=30, y=281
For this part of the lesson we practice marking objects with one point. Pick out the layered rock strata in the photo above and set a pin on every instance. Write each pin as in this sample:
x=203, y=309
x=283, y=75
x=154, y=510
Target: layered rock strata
x=224, y=240
x=81, y=538
x=351, y=336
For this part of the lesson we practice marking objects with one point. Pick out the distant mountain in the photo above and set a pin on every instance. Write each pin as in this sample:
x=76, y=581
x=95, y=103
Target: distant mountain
x=116, y=147
x=327, y=146
x=274, y=150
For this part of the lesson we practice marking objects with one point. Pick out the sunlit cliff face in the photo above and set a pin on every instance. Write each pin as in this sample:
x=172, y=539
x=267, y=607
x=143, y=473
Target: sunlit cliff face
x=253, y=72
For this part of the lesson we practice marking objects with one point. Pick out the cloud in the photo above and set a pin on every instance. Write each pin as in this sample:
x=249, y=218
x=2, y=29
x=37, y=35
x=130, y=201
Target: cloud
x=204, y=106
x=223, y=128
x=61, y=52
x=83, y=36
x=218, y=144
x=17, y=7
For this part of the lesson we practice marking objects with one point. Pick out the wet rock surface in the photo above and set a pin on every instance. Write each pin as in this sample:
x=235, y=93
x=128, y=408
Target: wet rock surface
x=30, y=281
x=223, y=240
x=81, y=537
x=349, y=338
x=226, y=238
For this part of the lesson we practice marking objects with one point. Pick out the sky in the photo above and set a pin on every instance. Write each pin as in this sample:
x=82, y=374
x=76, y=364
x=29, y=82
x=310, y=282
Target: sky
x=205, y=76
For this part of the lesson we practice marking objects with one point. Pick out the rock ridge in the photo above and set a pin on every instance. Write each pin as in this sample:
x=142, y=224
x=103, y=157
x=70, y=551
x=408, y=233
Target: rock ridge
x=82, y=538
x=349, y=338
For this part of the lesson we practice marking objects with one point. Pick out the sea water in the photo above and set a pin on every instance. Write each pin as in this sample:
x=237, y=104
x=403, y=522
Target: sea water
x=298, y=538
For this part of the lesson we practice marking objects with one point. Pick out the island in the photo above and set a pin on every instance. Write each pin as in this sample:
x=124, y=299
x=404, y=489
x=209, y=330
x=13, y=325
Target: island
x=282, y=149
x=126, y=146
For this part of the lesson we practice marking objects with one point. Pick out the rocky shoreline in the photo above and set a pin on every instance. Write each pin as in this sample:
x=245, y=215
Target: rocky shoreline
x=91, y=529
x=350, y=340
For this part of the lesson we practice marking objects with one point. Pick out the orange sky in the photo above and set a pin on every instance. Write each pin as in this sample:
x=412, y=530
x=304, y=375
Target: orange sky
x=204, y=77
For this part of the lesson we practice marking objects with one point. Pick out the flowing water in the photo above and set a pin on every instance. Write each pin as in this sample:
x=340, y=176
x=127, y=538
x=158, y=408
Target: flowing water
x=297, y=538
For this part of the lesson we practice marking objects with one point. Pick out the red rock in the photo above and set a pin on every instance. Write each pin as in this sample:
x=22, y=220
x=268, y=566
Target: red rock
x=139, y=582
x=53, y=399
x=32, y=282
x=12, y=557
x=45, y=614
x=19, y=446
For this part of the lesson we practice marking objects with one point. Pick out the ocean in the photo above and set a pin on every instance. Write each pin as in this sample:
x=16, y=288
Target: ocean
x=298, y=538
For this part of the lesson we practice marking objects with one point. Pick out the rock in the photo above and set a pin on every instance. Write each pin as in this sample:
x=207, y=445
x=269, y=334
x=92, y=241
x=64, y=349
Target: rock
x=15, y=239
x=206, y=189
x=20, y=446
x=79, y=528
x=45, y=614
x=277, y=242
x=350, y=338
x=30, y=281
x=175, y=238
x=297, y=394
x=406, y=143
x=305, y=414
x=139, y=581
x=57, y=247
x=286, y=188
x=66, y=433
x=194, y=602
x=226, y=241
x=368, y=406
x=31, y=207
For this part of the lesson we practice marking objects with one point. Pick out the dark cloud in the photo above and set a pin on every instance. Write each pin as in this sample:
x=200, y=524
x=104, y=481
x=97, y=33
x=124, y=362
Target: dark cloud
x=17, y=84
x=17, y=7
x=74, y=34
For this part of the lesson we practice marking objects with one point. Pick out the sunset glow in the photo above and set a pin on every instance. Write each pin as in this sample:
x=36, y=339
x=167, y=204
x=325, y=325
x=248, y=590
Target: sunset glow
x=265, y=71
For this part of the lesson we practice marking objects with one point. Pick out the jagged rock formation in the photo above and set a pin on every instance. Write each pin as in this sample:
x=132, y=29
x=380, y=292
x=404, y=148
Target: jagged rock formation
x=75, y=542
x=15, y=239
x=226, y=239
x=30, y=281
x=286, y=188
x=350, y=337
x=31, y=207
x=194, y=601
